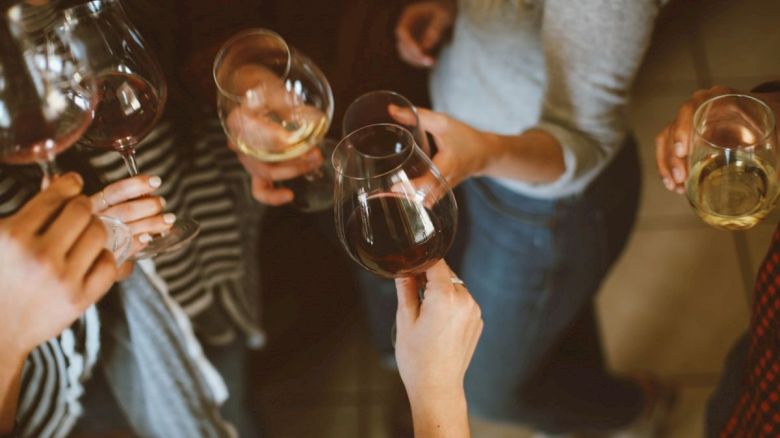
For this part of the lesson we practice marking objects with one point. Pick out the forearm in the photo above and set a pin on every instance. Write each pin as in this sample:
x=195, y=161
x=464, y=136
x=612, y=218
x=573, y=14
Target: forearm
x=533, y=156
x=11, y=367
x=440, y=417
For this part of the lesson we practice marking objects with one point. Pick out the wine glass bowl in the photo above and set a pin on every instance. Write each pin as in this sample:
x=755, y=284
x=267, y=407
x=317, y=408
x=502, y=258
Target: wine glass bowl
x=733, y=161
x=395, y=214
x=376, y=107
x=273, y=102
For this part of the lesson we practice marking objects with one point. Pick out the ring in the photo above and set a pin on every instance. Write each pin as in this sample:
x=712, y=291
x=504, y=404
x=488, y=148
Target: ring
x=455, y=280
x=104, y=200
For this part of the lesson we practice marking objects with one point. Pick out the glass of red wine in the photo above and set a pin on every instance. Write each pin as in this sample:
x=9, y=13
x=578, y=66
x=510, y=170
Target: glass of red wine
x=374, y=107
x=275, y=105
x=395, y=213
x=131, y=92
x=45, y=103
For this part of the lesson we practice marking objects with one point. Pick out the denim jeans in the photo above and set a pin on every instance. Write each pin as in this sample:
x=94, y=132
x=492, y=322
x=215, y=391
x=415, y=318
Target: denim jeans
x=534, y=266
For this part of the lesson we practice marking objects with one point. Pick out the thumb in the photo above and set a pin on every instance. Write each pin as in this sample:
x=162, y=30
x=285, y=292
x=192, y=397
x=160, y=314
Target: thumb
x=433, y=122
x=408, y=298
x=433, y=33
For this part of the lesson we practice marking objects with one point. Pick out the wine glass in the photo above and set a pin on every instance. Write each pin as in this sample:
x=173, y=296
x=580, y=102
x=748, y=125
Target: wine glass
x=733, y=160
x=45, y=103
x=131, y=92
x=275, y=105
x=375, y=106
x=395, y=214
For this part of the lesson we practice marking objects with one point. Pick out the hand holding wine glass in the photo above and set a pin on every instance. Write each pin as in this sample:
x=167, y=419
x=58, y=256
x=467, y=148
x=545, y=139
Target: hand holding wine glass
x=436, y=338
x=53, y=265
x=131, y=92
x=131, y=201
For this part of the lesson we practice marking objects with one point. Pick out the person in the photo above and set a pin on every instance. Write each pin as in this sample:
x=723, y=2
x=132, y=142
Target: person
x=746, y=403
x=529, y=99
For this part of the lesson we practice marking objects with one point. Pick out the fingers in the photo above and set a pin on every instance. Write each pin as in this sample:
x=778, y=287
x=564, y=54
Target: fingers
x=290, y=169
x=433, y=122
x=124, y=190
x=436, y=28
x=662, y=160
x=152, y=225
x=137, y=209
x=38, y=212
x=408, y=298
x=264, y=191
x=439, y=274
x=99, y=278
x=404, y=116
x=409, y=49
x=88, y=247
x=66, y=229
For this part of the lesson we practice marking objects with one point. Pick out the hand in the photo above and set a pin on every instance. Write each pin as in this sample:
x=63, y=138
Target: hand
x=673, y=143
x=130, y=200
x=436, y=337
x=462, y=150
x=421, y=29
x=264, y=174
x=52, y=266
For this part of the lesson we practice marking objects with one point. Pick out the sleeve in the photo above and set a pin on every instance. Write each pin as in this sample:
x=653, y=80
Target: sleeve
x=593, y=49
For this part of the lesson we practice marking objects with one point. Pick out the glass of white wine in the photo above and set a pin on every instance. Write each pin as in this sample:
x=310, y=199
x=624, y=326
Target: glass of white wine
x=275, y=105
x=733, y=162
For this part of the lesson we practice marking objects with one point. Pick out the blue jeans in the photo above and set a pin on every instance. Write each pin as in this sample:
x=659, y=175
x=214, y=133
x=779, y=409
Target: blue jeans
x=534, y=266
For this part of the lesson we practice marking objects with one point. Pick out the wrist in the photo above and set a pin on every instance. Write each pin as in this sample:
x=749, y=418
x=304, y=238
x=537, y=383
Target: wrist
x=439, y=413
x=493, y=151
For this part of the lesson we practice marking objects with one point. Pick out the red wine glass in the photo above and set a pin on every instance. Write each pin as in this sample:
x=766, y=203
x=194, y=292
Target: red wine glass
x=131, y=92
x=395, y=213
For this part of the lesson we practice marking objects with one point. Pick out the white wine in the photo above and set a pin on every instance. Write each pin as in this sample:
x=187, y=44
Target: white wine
x=296, y=139
x=733, y=194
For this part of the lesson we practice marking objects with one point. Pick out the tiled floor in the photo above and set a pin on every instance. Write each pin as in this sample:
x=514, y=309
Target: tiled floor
x=673, y=304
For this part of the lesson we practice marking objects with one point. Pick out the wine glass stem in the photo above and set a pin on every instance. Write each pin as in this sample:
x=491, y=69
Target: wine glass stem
x=128, y=154
x=49, y=170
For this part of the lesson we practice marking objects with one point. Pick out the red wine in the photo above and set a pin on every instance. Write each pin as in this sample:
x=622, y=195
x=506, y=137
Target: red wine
x=392, y=235
x=128, y=107
x=34, y=139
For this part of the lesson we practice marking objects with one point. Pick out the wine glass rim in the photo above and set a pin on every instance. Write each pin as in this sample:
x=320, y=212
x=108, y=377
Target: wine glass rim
x=374, y=93
x=767, y=132
x=409, y=150
x=256, y=31
x=90, y=7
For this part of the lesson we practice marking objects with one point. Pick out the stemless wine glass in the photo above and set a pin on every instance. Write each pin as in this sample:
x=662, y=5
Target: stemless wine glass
x=45, y=104
x=395, y=214
x=733, y=161
x=275, y=105
x=374, y=107
x=131, y=92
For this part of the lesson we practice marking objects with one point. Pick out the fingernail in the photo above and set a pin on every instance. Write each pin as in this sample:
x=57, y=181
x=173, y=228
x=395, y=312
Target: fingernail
x=669, y=184
x=144, y=238
x=678, y=174
x=680, y=190
x=155, y=182
x=679, y=149
x=169, y=218
x=163, y=202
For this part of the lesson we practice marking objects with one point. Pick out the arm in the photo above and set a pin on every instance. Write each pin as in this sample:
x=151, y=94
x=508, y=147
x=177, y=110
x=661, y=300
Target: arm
x=52, y=267
x=435, y=341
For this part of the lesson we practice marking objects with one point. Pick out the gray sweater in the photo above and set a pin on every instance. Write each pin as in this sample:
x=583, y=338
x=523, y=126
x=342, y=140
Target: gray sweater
x=563, y=66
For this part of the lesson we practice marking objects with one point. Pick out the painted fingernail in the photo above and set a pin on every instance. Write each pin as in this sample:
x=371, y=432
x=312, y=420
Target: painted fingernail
x=155, y=182
x=678, y=174
x=144, y=238
x=669, y=184
x=679, y=149
x=169, y=218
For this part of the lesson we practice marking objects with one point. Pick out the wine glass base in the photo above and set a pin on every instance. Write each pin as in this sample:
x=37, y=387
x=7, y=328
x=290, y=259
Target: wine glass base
x=182, y=232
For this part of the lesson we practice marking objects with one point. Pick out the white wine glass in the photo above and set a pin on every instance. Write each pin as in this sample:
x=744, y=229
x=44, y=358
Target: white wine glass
x=733, y=162
x=275, y=105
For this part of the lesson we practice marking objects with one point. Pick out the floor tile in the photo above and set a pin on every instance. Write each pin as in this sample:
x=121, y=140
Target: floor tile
x=674, y=303
x=740, y=38
x=659, y=207
x=488, y=429
x=687, y=418
x=314, y=422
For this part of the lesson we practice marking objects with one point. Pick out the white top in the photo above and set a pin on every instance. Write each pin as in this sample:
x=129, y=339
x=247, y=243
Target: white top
x=562, y=66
